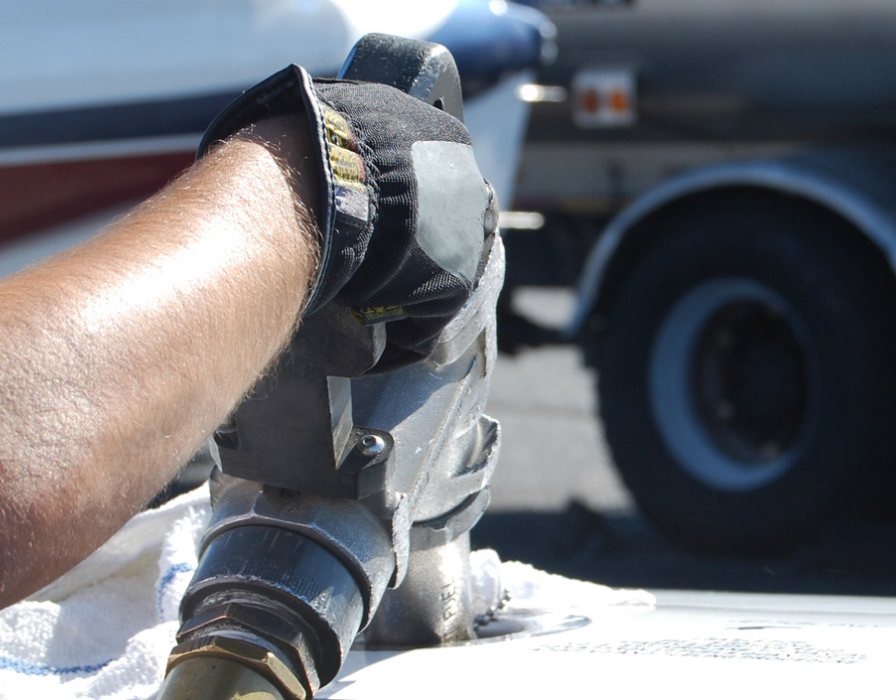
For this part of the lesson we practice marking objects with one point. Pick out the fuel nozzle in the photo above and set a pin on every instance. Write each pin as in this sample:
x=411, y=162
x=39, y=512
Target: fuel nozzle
x=292, y=625
x=288, y=576
x=342, y=500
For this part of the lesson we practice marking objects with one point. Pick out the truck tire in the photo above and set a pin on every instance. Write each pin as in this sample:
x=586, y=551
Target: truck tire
x=746, y=376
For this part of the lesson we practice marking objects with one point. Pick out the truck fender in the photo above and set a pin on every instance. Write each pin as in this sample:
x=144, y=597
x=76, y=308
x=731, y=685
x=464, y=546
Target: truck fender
x=859, y=187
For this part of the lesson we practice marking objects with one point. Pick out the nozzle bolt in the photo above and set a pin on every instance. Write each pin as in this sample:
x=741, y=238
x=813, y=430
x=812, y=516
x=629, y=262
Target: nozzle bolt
x=371, y=445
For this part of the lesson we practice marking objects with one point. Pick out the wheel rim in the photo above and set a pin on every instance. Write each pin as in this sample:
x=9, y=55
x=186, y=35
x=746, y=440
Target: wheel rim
x=732, y=378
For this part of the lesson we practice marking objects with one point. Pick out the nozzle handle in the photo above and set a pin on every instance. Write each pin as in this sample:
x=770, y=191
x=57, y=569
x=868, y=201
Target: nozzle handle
x=421, y=69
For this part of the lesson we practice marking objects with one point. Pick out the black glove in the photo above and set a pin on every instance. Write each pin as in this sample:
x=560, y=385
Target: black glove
x=407, y=220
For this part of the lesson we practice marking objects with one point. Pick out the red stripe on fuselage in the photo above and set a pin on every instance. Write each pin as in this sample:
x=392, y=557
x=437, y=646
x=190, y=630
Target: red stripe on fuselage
x=37, y=196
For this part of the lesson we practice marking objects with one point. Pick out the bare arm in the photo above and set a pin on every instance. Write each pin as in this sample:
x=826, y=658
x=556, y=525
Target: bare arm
x=117, y=360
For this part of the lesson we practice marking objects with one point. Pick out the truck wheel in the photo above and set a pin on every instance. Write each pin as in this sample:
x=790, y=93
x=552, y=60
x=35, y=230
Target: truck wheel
x=746, y=377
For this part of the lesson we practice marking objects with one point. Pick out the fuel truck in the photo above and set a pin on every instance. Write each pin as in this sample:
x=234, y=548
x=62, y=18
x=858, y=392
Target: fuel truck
x=718, y=181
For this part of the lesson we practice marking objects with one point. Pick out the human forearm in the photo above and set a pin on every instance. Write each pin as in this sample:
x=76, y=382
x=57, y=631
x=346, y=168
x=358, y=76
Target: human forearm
x=117, y=360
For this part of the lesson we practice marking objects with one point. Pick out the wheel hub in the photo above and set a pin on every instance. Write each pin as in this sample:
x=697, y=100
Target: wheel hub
x=730, y=383
x=750, y=381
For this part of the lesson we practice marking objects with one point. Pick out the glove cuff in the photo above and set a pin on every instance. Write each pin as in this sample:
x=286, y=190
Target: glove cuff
x=347, y=192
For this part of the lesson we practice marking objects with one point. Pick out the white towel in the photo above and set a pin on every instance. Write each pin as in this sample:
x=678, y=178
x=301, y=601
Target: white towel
x=104, y=630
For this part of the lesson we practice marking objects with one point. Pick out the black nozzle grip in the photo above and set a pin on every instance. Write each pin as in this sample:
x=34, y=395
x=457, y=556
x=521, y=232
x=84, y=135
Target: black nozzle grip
x=419, y=68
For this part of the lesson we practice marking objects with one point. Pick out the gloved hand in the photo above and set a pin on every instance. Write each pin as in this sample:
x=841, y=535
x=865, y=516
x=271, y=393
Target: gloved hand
x=406, y=219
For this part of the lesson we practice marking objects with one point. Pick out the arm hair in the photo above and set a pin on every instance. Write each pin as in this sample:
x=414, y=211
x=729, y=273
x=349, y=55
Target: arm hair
x=119, y=358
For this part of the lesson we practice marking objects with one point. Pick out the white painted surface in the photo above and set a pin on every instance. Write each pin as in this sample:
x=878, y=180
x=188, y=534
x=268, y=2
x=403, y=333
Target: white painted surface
x=56, y=53
x=689, y=645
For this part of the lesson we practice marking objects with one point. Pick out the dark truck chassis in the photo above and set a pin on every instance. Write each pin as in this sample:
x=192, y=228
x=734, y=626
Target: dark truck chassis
x=730, y=232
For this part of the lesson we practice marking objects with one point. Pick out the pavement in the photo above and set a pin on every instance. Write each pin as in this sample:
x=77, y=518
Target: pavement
x=552, y=449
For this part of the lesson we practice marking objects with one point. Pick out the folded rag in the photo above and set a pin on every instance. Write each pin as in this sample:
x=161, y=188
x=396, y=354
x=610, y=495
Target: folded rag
x=104, y=630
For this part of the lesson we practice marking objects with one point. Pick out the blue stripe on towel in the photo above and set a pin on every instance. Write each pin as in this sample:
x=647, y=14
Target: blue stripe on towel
x=30, y=669
x=169, y=577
